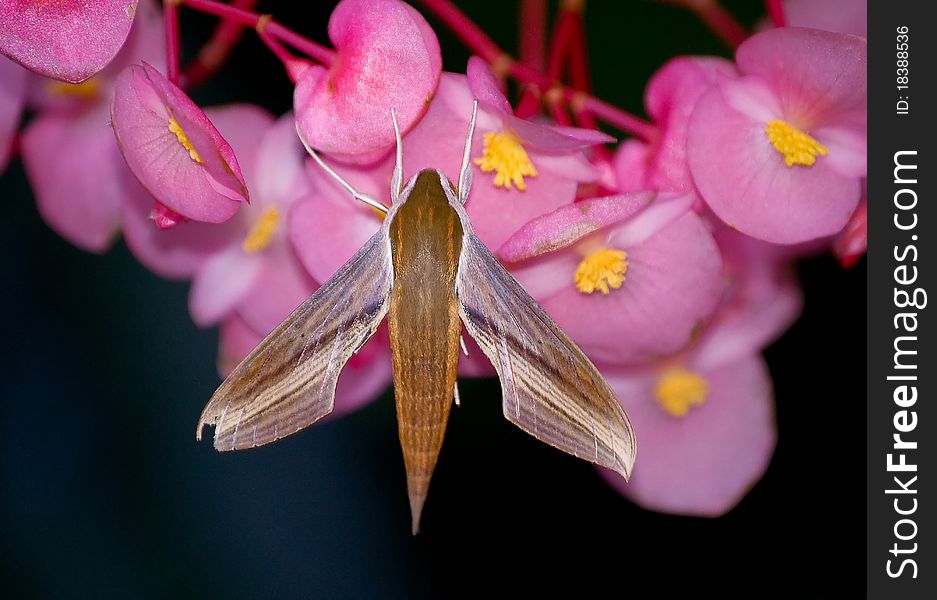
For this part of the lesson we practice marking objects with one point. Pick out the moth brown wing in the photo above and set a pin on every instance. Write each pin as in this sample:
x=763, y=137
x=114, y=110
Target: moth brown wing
x=288, y=381
x=551, y=389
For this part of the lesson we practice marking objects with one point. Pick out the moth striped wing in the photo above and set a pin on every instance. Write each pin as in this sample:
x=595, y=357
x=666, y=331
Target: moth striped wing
x=551, y=390
x=288, y=381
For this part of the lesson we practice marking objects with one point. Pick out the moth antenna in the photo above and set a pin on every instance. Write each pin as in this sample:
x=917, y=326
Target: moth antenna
x=396, y=180
x=455, y=393
x=465, y=173
x=357, y=195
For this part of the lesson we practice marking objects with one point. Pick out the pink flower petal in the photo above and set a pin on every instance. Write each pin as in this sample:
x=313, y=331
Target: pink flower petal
x=819, y=77
x=844, y=16
x=388, y=58
x=568, y=224
x=69, y=40
x=12, y=96
x=673, y=283
x=704, y=463
x=77, y=177
x=222, y=283
x=144, y=103
x=281, y=286
x=485, y=87
x=748, y=185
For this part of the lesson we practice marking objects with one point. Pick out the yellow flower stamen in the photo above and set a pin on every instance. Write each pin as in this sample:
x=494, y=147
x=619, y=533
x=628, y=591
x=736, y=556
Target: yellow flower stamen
x=175, y=128
x=601, y=270
x=87, y=89
x=678, y=389
x=261, y=234
x=797, y=147
x=504, y=155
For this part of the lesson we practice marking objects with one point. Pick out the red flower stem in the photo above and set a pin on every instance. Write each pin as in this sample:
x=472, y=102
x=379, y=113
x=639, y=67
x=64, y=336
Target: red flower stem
x=171, y=29
x=560, y=43
x=529, y=103
x=502, y=63
x=719, y=20
x=532, y=26
x=776, y=11
x=289, y=61
x=251, y=19
x=216, y=50
x=311, y=49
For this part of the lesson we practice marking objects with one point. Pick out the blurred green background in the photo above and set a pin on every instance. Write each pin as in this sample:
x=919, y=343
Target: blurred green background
x=105, y=493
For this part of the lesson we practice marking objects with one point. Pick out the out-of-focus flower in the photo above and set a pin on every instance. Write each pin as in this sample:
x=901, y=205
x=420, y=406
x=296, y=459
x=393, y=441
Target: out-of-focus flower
x=779, y=152
x=627, y=289
x=12, y=97
x=72, y=161
x=387, y=58
x=851, y=243
x=660, y=164
x=705, y=418
x=173, y=148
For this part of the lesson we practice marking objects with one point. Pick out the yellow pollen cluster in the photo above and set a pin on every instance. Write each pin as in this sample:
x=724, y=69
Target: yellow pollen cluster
x=678, y=390
x=601, y=270
x=504, y=155
x=797, y=147
x=175, y=128
x=88, y=88
x=261, y=234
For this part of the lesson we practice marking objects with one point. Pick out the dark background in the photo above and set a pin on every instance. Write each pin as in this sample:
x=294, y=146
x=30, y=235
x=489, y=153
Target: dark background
x=105, y=493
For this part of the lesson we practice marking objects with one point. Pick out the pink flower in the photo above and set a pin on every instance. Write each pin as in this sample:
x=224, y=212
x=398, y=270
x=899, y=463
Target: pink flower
x=843, y=16
x=69, y=40
x=630, y=278
x=778, y=153
x=671, y=95
x=387, y=58
x=80, y=197
x=12, y=96
x=173, y=148
x=705, y=418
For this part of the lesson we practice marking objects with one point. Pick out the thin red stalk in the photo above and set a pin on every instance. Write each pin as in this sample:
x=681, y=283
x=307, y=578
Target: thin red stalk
x=464, y=29
x=217, y=49
x=579, y=58
x=171, y=29
x=719, y=20
x=558, y=112
x=529, y=103
x=289, y=61
x=479, y=43
x=227, y=12
x=531, y=34
x=560, y=44
x=311, y=49
x=776, y=10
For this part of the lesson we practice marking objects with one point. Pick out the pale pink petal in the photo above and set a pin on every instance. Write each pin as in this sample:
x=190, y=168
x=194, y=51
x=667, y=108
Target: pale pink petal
x=844, y=16
x=485, y=87
x=569, y=224
x=281, y=286
x=748, y=185
x=673, y=283
x=366, y=375
x=222, y=283
x=77, y=176
x=705, y=463
x=12, y=97
x=555, y=140
x=631, y=164
x=847, y=148
x=664, y=210
x=243, y=127
x=387, y=58
x=819, y=77
x=69, y=40
x=570, y=166
x=236, y=339
x=144, y=103
x=280, y=165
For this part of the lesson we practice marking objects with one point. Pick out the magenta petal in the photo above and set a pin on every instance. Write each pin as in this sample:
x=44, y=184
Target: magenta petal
x=818, y=76
x=485, y=87
x=77, y=176
x=845, y=16
x=387, y=58
x=69, y=40
x=282, y=285
x=673, y=283
x=144, y=102
x=12, y=96
x=365, y=376
x=222, y=283
x=746, y=182
x=571, y=223
x=704, y=463
x=556, y=140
